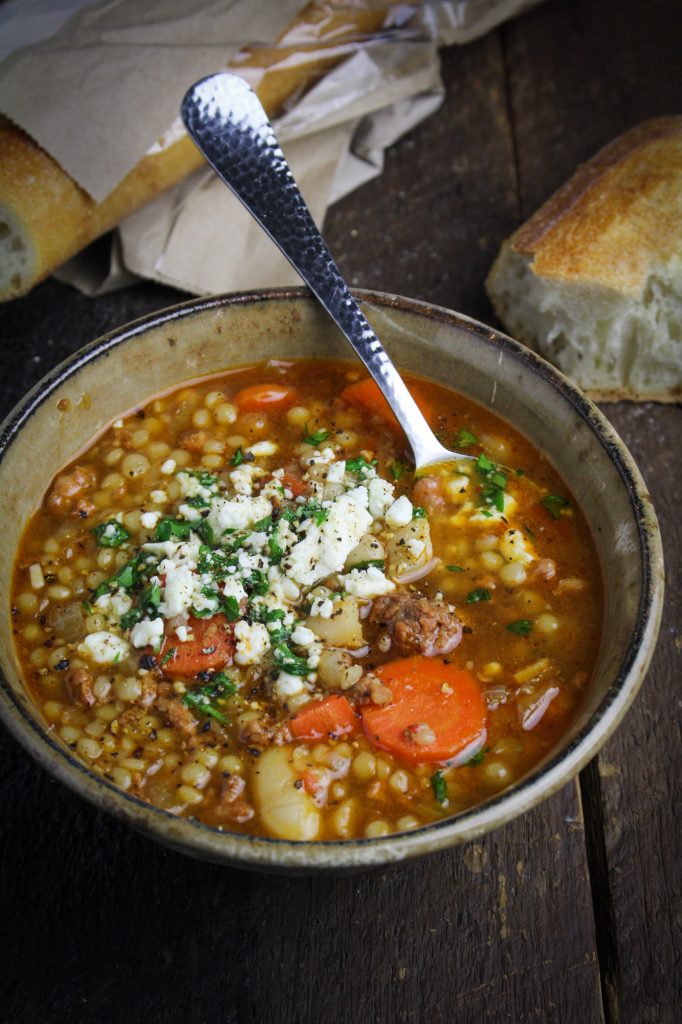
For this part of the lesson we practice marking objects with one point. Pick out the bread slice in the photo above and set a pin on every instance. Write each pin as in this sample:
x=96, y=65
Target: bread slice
x=45, y=217
x=593, y=280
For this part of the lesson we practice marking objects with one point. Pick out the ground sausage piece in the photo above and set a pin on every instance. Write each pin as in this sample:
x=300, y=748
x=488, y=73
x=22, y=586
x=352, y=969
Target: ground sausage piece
x=231, y=787
x=67, y=496
x=428, y=492
x=79, y=687
x=370, y=690
x=265, y=734
x=150, y=690
x=194, y=440
x=181, y=717
x=417, y=624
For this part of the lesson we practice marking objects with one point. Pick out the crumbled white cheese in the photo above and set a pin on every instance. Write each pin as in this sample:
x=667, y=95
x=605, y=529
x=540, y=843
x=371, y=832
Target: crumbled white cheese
x=415, y=547
x=168, y=467
x=103, y=647
x=380, y=496
x=262, y=448
x=323, y=607
x=159, y=497
x=322, y=458
x=491, y=514
x=324, y=548
x=303, y=636
x=179, y=589
x=253, y=641
x=149, y=519
x=457, y=487
x=242, y=479
x=182, y=633
x=188, y=512
x=237, y=513
x=367, y=583
x=336, y=472
x=233, y=588
x=360, y=495
x=114, y=605
x=146, y=632
x=287, y=685
x=399, y=513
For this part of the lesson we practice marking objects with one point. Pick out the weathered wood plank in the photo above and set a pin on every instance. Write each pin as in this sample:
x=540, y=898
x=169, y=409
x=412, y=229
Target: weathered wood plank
x=580, y=73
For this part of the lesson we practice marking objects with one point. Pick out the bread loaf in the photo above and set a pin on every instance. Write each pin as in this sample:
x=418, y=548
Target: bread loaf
x=593, y=280
x=45, y=217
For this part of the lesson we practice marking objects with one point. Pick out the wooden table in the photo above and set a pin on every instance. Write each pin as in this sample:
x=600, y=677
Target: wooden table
x=571, y=913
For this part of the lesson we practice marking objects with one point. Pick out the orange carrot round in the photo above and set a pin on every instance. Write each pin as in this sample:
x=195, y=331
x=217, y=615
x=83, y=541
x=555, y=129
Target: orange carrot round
x=367, y=395
x=331, y=717
x=212, y=646
x=265, y=396
x=437, y=712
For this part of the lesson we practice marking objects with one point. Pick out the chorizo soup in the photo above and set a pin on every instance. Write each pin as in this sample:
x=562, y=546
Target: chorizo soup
x=239, y=604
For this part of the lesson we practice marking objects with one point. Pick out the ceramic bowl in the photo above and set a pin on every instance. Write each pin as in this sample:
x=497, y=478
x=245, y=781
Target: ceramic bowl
x=130, y=365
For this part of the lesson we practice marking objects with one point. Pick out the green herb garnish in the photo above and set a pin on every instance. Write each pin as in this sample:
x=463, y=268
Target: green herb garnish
x=168, y=655
x=476, y=596
x=290, y=662
x=315, y=438
x=397, y=469
x=360, y=466
x=494, y=483
x=476, y=759
x=111, y=534
x=371, y=563
x=455, y=568
x=148, y=602
x=521, y=627
x=418, y=512
x=439, y=787
x=554, y=505
x=237, y=458
x=465, y=439
x=205, y=478
x=204, y=698
x=529, y=533
x=167, y=528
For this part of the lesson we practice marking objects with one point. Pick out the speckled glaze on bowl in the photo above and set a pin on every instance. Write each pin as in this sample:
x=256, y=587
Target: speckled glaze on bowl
x=128, y=366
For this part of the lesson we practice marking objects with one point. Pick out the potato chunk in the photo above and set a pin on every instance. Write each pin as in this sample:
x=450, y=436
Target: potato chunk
x=409, y=547
x=287, y=812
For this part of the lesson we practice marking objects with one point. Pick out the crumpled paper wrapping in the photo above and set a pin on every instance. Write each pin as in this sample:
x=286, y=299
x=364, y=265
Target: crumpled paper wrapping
x=123, y=56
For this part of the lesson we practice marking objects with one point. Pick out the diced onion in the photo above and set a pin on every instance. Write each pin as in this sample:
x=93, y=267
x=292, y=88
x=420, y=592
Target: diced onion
x=416, y=574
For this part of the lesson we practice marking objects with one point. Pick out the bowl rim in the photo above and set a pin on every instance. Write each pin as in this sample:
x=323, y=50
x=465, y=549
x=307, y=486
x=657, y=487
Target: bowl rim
x=272, y=854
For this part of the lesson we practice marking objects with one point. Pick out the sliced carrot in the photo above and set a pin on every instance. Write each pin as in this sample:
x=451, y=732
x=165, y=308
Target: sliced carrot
x=367, y=395
x=295, y=484
x=212, y=646
x=265, y=396
x=331, y=717
x=431, y=697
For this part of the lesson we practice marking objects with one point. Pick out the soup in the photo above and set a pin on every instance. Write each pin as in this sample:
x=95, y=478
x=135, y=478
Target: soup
x=241, y=605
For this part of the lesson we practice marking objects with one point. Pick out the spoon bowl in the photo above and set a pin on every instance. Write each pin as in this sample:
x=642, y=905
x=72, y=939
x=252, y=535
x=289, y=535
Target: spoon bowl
x=228, y=124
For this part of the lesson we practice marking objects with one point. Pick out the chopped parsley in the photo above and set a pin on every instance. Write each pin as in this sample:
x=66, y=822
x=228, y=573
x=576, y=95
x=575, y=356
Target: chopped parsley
x=397, y=469
x=476, y=759
x=371, y=563
x=168, y=527
x=256, y=584
x=361, y=466
x=521, y=627
x=315, y=438
x=494, y=483
x=168, y=655
x=554, y=505
x=418, y=512
x=290, y=662
x=205, y=478
x=476, y=596
x=528, y=532
x=147, y=603
x=439, y=787
x=127, y=577
x=465, y=439
x=204, y=698
x=111, y=534
x=310, y=510
x=455, y=568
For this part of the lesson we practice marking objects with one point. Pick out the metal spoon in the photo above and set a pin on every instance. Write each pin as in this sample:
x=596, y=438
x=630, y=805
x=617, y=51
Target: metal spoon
x=225, y=119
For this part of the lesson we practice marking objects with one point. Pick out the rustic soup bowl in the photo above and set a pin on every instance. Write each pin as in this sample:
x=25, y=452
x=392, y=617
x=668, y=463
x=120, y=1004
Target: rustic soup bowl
x=130, y=365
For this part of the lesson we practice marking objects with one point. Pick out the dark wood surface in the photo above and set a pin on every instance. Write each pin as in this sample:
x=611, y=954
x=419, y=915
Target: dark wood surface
x=570, y=913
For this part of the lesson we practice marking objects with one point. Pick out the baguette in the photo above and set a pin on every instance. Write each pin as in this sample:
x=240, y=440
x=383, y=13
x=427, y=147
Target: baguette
x=593, y=280
x=46, y=217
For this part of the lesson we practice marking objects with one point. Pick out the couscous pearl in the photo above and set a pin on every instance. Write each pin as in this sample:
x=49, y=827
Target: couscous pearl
x=375, y=829
x=225, y=413
x=406, y=822
x=202, y=418
x=189, y=795
x=122, y=777
x=230, y=763
x=135, y=464
x=195, y=774
x=364, y=766
x=298, y=415
x=140, y=438
x=513, y=574
x=128, y=689
x=546, y=624
x=209, y=758
x=27, y=603
x=343, y=817
x=88, y=748
x=52, y=710
x=399, y=781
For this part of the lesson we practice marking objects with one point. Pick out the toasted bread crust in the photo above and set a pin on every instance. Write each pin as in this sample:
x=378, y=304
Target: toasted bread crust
x=617, y=216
